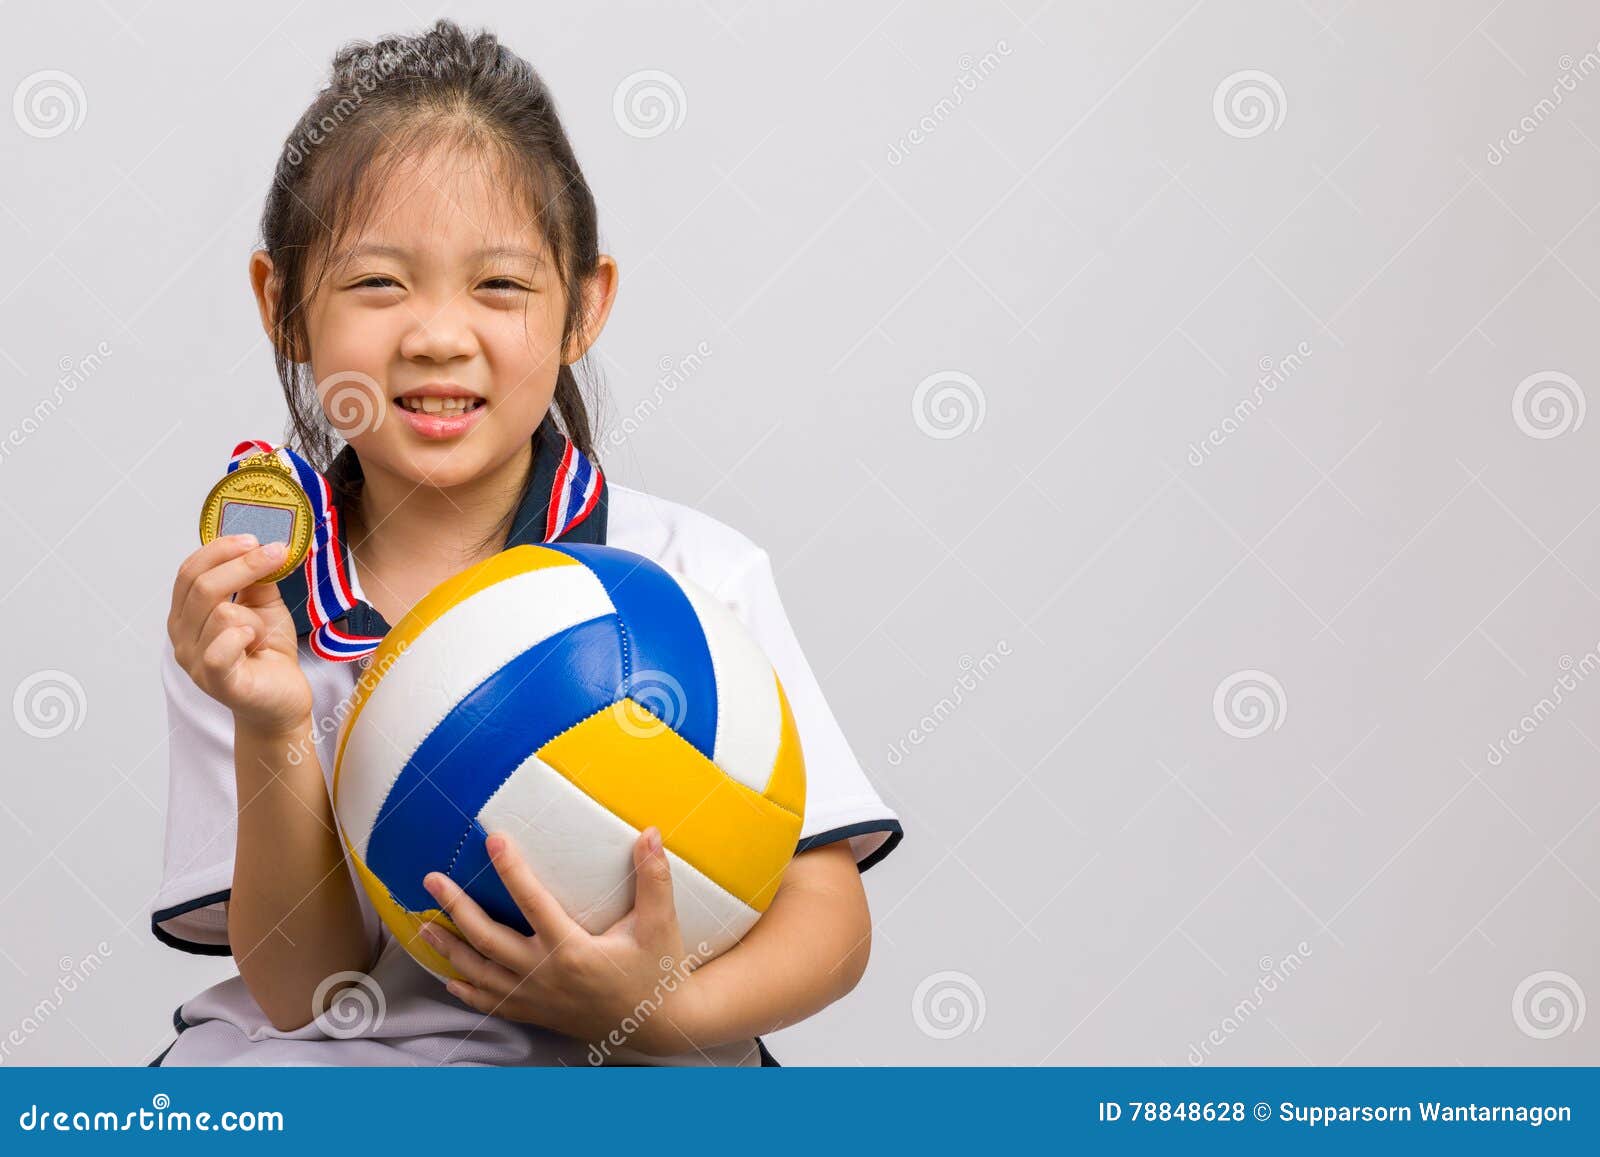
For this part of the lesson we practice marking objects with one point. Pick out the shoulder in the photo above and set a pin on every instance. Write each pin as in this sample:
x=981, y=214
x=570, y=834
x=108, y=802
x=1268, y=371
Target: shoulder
x=679, y=538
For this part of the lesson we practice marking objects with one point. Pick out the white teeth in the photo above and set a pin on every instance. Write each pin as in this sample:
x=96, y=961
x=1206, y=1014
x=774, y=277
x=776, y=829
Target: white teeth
x=448, y=407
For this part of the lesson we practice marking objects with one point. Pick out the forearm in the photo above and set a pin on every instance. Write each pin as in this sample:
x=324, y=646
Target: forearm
x=293, y=917
x=808, y=949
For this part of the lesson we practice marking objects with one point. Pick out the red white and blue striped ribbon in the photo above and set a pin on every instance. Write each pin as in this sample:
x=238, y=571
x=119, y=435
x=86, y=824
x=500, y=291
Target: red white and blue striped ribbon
x=574, y=493
x=330, y=596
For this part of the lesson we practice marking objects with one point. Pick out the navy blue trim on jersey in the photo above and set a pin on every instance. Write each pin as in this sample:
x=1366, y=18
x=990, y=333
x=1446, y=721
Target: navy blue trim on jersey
x=194, y=946
x=834, y=835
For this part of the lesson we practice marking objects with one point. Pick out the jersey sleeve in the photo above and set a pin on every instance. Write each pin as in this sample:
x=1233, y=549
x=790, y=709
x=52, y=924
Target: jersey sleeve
x=202, y=818
x=841, y=803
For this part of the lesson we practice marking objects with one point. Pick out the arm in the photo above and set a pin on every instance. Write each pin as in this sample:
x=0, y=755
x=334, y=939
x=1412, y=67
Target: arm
x=293, y=918
x=808, y=949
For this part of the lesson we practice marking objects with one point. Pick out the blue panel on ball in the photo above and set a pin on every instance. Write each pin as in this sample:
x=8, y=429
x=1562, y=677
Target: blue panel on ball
x=510, y=715
x=476, y=874
x=671, y=661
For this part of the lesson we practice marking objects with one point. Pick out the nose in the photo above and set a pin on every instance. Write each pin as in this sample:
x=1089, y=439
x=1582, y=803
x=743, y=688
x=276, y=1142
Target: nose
x=439, y=333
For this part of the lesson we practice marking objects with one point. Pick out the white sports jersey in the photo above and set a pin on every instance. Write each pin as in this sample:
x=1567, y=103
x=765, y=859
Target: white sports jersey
x=422, y=1024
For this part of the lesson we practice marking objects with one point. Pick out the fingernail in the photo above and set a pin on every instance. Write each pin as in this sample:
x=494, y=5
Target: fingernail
x=248, y=541
x=431, y=882
x=274, y=551
x=430, y=936
x=652, y=839
x=495, y=844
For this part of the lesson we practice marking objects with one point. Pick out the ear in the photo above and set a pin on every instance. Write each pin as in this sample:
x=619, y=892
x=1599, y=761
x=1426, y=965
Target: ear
x=266, y=286
x=599, y=291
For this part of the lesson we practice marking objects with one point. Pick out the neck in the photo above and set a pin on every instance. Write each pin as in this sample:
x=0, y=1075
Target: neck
x=443, y=528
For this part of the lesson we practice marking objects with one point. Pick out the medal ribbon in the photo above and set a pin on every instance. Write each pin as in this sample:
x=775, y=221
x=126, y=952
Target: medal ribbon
x=330, y=597
x=574, y=493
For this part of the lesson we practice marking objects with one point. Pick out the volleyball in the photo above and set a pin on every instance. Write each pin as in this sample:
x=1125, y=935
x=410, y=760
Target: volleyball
x=570, y=696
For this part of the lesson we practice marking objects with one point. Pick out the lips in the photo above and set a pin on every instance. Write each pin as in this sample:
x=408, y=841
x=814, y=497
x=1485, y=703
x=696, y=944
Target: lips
x=437, y=416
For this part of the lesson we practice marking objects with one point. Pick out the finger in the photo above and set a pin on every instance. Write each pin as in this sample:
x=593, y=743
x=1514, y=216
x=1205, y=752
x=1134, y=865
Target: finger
x=475, y=998
x=202, y=560
x=221, y=658
x=655, y=913
x=490, y=937
x=225, y=579
x=470, y=964
x=542, y=910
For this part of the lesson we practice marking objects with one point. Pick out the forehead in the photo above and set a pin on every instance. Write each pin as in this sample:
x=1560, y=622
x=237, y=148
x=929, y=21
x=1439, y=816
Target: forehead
x=451, y=204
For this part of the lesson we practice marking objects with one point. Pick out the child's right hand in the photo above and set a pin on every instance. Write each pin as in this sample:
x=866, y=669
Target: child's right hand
x=244, y=653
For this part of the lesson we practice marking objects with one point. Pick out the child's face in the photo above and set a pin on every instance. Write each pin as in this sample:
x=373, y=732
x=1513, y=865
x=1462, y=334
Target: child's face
x=419, y=302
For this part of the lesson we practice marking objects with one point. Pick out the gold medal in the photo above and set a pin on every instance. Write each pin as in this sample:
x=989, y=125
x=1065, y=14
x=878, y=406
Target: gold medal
x=261, y=497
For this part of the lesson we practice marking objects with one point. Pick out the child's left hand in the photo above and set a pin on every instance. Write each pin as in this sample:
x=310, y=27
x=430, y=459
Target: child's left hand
x=564, y=977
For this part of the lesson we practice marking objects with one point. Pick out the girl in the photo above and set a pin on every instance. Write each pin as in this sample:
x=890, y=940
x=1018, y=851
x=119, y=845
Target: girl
x=430, y=248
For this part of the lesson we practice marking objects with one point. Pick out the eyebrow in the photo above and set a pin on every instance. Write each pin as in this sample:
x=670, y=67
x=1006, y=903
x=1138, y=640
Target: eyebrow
x=400, y=253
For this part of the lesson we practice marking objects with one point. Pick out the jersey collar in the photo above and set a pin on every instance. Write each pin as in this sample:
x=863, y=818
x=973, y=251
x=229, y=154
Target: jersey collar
x=527, y=528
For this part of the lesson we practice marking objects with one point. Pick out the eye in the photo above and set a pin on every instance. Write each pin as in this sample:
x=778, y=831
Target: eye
x=505, y=285
x=376, y=281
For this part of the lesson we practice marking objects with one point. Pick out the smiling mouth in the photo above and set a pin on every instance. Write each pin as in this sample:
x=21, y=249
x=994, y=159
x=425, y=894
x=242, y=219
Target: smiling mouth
x=444, y=407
